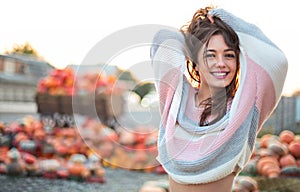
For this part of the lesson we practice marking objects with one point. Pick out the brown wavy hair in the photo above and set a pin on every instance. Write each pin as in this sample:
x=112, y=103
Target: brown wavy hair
x=197, y=33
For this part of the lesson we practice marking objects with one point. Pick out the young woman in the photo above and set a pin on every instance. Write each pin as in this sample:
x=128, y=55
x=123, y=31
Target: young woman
x=218, y=80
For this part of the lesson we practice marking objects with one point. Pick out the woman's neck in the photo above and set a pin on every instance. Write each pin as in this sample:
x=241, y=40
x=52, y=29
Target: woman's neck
x=201, y=96
x=205, y=93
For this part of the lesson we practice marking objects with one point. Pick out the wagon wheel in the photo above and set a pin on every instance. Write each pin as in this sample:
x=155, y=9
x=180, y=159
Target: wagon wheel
x=48, y=123
x=64, y=120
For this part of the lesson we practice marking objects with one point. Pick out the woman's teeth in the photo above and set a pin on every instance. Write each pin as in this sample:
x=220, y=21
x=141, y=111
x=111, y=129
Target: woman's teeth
x=220, y=74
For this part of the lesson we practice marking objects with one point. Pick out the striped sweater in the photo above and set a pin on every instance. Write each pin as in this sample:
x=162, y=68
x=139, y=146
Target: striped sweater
x=193, y=154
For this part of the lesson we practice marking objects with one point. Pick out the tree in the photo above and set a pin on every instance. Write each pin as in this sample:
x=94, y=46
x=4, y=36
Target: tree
x=143, y=89
x=126, y=76
x=297, y=93
x=25, y=49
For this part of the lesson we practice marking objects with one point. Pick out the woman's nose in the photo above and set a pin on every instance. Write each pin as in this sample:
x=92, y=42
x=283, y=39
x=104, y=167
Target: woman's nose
x=220, y=62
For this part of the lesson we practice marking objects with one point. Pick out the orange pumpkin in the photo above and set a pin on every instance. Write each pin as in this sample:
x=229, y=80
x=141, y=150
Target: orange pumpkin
x=265, y=152
x=297, y=138
x=127, y=137
x=61, y=149
x=63, y=173
x=278, y=148
x=247, y=183
x=3, y=153
x=140, y=156
x=39, y=134
x=28, y=158
x=265, y=139
x=287, y=160
x=273, y=172
x=100, y=172
x=294, y=148
x=270, y=170
x=264, y=161
x=76, y=169
x=105, y=150
x=286, y=136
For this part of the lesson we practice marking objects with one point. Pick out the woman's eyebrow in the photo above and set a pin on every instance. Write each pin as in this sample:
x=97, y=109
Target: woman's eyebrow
x=213, y=50
x=229, y=49
x=210, y=50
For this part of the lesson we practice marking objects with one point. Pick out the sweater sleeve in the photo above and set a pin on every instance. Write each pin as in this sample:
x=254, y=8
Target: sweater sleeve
x=257, y=46
x=168, y=61
x=262, y=56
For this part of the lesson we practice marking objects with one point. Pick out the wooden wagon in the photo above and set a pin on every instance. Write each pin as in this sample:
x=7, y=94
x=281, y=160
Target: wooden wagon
x=106, y=107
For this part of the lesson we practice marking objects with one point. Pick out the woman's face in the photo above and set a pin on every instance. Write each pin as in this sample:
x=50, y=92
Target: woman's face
x=221, y=64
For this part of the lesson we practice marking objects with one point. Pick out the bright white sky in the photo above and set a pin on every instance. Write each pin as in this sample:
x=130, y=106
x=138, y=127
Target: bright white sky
x=63, y=31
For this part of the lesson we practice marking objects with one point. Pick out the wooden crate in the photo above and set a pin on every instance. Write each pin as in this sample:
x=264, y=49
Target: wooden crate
x=47, y=104
x=106, y=107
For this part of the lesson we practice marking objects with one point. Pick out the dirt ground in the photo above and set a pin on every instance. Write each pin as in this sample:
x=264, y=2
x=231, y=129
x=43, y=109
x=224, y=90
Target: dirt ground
x=117, y=180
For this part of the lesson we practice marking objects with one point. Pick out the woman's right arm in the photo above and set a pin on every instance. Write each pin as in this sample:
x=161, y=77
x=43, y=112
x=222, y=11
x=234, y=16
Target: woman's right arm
x=169, y=63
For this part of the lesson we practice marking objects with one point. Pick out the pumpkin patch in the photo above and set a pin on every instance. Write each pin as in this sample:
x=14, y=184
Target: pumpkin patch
x=275, y=156
x=79, y=153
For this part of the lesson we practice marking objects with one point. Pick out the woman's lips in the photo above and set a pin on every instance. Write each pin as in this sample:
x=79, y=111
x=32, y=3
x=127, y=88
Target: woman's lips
x=220, y=75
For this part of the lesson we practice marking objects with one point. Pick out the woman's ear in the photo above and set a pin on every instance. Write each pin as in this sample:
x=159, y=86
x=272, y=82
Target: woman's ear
x=196, y=68
x=192, y=66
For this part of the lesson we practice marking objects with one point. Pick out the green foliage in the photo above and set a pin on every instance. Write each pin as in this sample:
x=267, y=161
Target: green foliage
x=126, y=76
x=25, y=49
x=143, y=89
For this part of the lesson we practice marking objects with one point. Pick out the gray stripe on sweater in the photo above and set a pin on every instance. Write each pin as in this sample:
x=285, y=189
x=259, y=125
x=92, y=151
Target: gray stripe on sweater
x=222, y=155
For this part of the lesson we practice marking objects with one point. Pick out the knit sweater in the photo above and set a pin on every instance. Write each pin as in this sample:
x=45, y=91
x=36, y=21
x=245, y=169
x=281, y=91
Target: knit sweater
x=193, y=154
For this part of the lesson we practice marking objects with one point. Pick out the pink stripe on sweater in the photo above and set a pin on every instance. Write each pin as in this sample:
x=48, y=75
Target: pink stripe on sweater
x=180, y=149
x=267, y=91
x=247, y=99
x=170, y=128
x=251, y=93
x=258, y=88
x=167, y=89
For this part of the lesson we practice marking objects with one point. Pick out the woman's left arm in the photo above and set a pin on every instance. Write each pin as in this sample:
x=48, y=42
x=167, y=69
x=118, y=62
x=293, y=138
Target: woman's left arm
x=266, y=61
x=257, y=46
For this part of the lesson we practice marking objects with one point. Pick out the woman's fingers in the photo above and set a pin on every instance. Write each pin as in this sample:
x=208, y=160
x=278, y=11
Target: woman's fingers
x=211, y=19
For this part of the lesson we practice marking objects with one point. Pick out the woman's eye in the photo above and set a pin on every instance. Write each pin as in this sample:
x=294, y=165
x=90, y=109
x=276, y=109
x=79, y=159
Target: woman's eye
x=230, y=55
x=210, y=56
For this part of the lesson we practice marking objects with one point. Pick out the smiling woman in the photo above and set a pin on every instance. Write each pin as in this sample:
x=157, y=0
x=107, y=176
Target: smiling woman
x=215, y=64
x=217, y=68
x=207, y=132
x=220, y=63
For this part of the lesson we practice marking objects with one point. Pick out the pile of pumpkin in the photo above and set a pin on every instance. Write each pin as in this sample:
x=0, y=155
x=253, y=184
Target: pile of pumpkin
x=58, y=82
x=92, y=94
x=65, y=82
x=126, y=148
x=28, y=148
x=31, y=147
x=276, y=156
